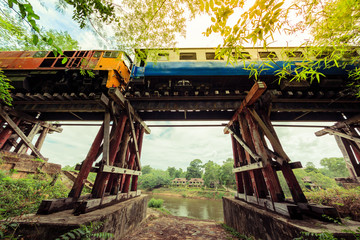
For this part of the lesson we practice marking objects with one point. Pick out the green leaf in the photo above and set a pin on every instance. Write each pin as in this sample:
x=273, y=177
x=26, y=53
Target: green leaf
x=10, y=3
x=35, y=39
x=65, y=59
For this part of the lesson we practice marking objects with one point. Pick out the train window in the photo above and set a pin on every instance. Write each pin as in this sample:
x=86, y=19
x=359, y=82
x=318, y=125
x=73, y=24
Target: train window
x=40, y=54
x=97, y=54
x=111, y=54
x=163, y=56
x=271, y=55
x=242, y=55
x=294, y=54
x=323, y=54
x=210, y=56
x=187, y=56
x=350, y=54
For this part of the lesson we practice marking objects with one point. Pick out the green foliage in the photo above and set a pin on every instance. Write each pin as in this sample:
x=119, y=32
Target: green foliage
x=5, y=88
x=171, y=171
x=155, y=203
x=334, y=167
x=227, y=177
x=194, y=170
x=318, y=236
x=86, y=232
x=346, y=201
x=23, y=196
x=7, y=230
x=146, y=169
x=212, y=173
x=155, y=179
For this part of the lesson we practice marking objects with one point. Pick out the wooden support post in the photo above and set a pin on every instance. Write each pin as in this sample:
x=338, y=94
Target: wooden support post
x=86, y=165
x=271, y=180
x=18, y=131
x=256, y=175
x=135, y=141
x=238, y=176
x=41, y=139
x=350, y=160
x=131, y=162
x=102, y=179
x=6, y=133
x=293, y=184
x=134, y=181
x=22, y=148
x=106, y=138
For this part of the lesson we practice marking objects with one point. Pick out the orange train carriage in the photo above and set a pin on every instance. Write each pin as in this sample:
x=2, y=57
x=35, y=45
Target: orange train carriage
x=42, y=71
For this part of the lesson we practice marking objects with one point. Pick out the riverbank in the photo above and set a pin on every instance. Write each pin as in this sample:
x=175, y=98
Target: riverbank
x=162, y=226
x=196, y=193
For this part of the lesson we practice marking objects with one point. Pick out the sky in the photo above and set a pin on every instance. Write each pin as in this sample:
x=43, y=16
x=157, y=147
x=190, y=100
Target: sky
x=177, y=147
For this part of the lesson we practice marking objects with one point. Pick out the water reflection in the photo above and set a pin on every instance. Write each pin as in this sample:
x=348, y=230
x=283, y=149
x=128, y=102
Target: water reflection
x=196, y=208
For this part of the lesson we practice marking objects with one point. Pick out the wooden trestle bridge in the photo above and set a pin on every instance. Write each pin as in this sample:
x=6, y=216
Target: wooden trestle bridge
x=250, y=114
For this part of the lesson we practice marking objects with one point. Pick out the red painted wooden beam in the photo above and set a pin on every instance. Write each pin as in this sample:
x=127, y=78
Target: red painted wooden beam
x=86, y=165
x=254, y=94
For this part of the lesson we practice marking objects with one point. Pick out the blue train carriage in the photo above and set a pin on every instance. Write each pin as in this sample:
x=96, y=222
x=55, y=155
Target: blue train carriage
x=196, y=71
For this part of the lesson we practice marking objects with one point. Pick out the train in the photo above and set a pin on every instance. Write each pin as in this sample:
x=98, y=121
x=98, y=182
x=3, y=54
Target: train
x=198, y=71
x=73, y=71
x=161, y=72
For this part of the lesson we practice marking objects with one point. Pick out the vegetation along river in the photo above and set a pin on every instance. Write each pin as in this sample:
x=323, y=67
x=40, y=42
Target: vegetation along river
x=196, y=208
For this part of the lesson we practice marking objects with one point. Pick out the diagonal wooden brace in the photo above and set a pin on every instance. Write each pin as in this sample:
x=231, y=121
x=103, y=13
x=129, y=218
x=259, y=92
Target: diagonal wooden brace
x=134, y=137
x=21, y=134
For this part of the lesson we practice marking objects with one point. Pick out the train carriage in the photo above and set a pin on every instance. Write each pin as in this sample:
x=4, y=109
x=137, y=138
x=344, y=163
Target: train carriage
x=43, y=71
x=196, y=71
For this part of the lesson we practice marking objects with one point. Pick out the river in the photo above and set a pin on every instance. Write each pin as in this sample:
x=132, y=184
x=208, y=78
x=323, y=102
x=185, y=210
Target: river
x=195, y=208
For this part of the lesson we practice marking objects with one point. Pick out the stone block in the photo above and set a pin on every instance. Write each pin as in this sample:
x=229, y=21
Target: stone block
x=117, y=219
x=252, y=220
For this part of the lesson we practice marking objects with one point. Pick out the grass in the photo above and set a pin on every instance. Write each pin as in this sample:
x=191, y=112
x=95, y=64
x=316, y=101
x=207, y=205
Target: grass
x=23, y=196
x=155, y=203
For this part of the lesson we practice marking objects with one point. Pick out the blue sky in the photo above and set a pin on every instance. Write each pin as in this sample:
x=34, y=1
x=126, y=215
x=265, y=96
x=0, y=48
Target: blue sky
x=174, y=146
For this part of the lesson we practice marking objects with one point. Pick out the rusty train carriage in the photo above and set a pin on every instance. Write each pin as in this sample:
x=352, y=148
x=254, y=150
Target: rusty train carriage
x=43, y=72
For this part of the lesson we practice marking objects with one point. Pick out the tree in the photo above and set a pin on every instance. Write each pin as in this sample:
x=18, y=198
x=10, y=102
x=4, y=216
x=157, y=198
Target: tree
x=171, y=171
x=211, y=173
x=179, y=173
x=310, y=167
x=333, y=25
x=155, y=179
x=227, y=177
x=334, y=167
x=146, y=169
x=194, y=170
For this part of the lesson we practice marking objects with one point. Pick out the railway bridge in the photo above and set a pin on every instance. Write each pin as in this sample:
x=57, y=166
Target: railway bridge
x=116, y=150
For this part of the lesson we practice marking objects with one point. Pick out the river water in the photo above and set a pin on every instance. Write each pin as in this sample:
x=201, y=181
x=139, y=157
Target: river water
x=196, y=208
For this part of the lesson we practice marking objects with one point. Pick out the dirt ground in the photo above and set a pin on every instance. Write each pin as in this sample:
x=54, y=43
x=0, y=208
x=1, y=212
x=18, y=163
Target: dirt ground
x=166, y=227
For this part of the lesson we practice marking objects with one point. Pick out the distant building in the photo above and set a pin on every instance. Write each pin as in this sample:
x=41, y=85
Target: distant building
x=196, y=182
x=179, y=182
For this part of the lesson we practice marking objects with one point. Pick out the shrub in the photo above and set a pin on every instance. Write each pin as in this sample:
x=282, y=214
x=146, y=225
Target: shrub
x=155, y=203
x=346, y=201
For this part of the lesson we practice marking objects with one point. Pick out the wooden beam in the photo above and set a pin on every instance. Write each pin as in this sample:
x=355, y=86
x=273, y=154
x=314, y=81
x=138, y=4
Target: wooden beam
x=95, y=203
x=340, y=134
x=106, y=143
x=248, y=167
x=243, y=144
x=41, y=139
x=86, y=165
x=120, y=99
x=348, y=157
x=22, y=148
x=273, y=140
x=133, y=134
x=20, y=133
x=31, y=119
x=118, y=170
x=254, y=94
x=287, y=209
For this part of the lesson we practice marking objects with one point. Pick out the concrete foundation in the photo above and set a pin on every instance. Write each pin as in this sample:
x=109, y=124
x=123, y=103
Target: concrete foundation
x=117, y=219
x=261, y=224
